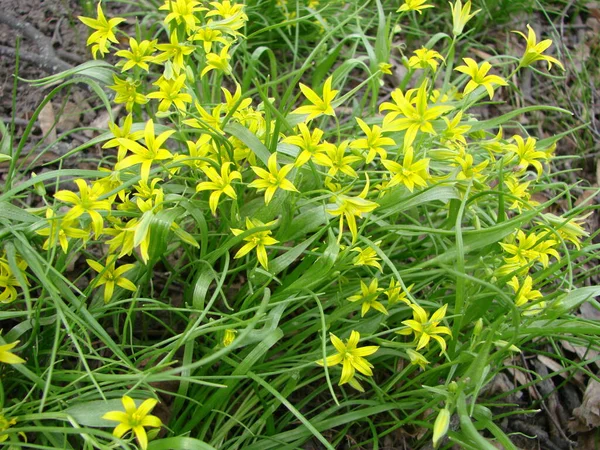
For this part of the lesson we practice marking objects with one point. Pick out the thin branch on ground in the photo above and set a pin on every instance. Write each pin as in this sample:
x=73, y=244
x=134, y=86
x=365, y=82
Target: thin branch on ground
x=47, y=58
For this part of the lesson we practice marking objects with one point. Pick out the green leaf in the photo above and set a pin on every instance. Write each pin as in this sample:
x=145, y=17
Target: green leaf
x=397, y=200
x=90, y=414
x=497, y=121
x=248, y=138
x=179, y=443
x=305, y=223
x=16, y=214
x=572, y=300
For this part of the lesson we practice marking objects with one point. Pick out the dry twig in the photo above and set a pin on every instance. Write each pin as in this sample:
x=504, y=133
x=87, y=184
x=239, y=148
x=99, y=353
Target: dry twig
x=46, y=59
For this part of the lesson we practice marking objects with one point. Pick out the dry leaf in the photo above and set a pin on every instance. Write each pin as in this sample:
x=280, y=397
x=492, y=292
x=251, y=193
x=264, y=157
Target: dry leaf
x=102, y=120
x=587, y=416
x=47, y=121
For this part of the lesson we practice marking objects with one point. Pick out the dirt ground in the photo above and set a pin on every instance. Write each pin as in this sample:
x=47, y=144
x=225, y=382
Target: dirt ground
x=56, y=21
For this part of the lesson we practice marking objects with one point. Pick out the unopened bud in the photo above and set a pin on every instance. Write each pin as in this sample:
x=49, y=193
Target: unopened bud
x=440, y=427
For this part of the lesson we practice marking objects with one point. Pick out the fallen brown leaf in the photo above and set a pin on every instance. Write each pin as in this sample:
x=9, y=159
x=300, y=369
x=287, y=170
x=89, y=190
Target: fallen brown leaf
x=587, y=416
x=47, y=121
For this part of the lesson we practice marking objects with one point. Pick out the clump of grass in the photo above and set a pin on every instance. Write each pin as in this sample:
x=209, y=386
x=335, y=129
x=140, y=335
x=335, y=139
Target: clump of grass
x=274, y=248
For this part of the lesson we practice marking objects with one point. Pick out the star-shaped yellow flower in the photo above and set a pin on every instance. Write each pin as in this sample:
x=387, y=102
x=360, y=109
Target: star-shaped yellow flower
x=135, y=419
x=374, y=142
x=426, y=328
x=368, y=297
x=319, y=105
x=256, y=240
x=111, y=276
x=416, y=114
x=534, y=50
x=414, y=5
x=351, y=207
x=219, y=184
x=273, y=179
x=86, y=202
x=410, y=172
x=7, y=357
x=351, y=357
x=101, y=38
x=479, y=76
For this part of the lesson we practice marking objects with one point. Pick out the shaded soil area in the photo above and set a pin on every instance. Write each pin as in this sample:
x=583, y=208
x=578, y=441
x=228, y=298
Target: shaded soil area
x=58, y=32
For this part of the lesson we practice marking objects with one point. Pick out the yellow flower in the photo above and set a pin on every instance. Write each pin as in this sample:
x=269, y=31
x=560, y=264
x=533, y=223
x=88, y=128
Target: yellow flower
x=479, y=76
x=414, y=5
x=58, y=231
x=219, y=184
x=86, y=202
x=408, y=173
x=208, y=36
x=8, y=280
x=122, y=133
x=394, y=295
x=522, y=252
x=417, y=117
x=111, y=276
x=127, y=92
x=351, y=207
x=319, y=106
x=335, y=158
x=460, y=16
x=104, y=34
x=7, y=357
x=534, y=50
x=233, y=16
x=374, y=142
x=145, y=156
x=226, y=10
x=468, y=170
x=521, y=191
x=351, y=357
x=528, y=155
x=123, y=239
x=200, y=151
x=182, y=11
x=525, y=294
x=454, y=132
x=368, y=296
x=310, y=144
x=228, y=337
x=5, y=424
x=273, y=179
x=234, y=102
x=173, y=52
x=134, y=419
x=424, y=58
x=416, y=359
x=569, y=229
x=170, y=92
x=138, y=55
x=210, y=121
x=366, y=257
x=219, y=62
x=256, y=240
x=425, y=328
x=544, y=249
x=385, y=68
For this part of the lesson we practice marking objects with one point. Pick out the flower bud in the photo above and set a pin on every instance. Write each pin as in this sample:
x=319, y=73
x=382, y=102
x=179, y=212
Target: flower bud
x=478, y=327
x=440, y=427
x=228, y=337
